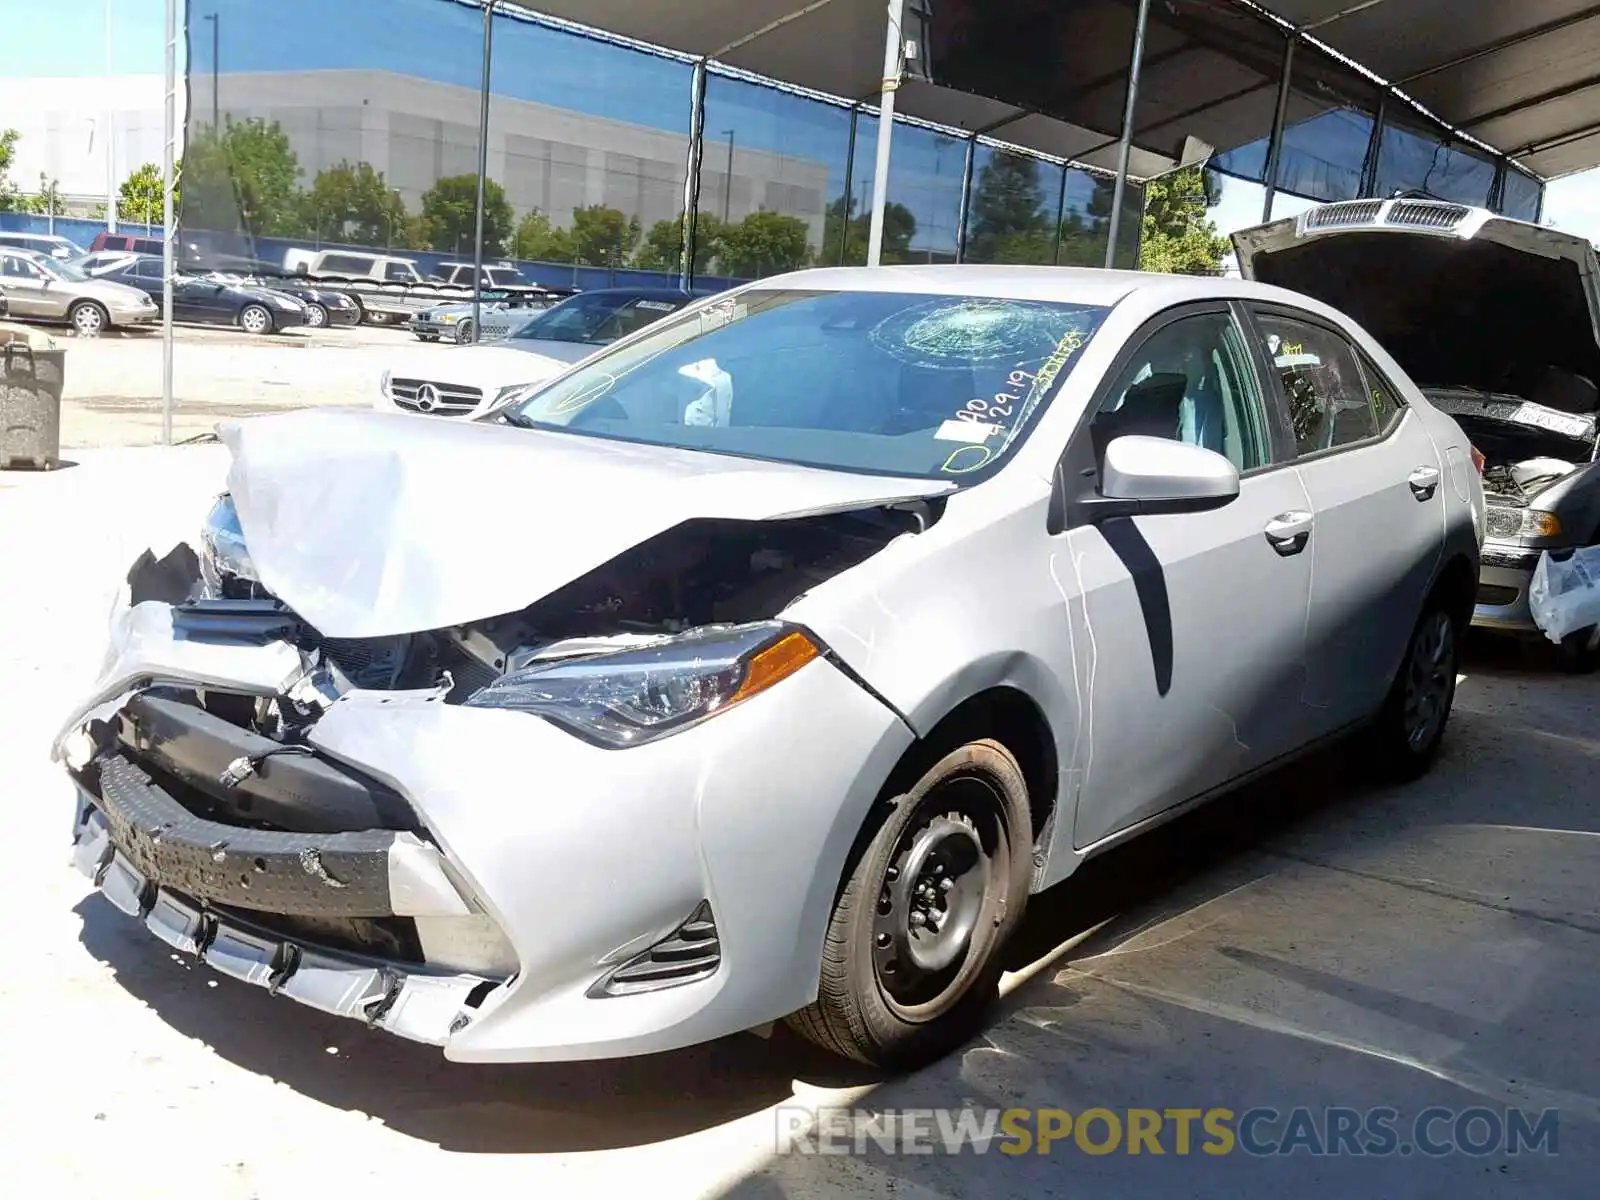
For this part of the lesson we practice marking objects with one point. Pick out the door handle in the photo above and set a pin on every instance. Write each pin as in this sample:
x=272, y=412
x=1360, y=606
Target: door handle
x=1424, y=482
x=1289, y=532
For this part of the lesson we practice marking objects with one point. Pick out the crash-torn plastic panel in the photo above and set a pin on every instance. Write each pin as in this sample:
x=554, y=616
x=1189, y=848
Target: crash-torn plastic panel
x=144, y=649
x=355, y=520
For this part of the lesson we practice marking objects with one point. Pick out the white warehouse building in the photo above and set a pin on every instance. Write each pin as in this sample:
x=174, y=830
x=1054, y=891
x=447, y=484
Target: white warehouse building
x=416, y=131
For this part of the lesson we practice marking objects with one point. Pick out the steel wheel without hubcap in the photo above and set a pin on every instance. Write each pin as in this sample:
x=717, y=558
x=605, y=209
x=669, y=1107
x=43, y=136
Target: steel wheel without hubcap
x=1429, y=680
x=255, y=319
x=88, y=319
x=911, y=959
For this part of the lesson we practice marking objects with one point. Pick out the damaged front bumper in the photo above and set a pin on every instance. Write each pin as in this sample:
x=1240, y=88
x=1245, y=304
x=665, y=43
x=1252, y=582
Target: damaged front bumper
x=562, y=901
x=424, y=1006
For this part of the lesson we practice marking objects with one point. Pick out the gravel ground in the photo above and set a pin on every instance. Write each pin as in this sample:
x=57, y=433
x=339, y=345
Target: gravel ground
x=1311, y=941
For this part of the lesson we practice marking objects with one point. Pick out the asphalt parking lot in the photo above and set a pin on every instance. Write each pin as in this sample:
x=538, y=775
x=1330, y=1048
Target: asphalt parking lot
x=113, y=383
x=1314, y=941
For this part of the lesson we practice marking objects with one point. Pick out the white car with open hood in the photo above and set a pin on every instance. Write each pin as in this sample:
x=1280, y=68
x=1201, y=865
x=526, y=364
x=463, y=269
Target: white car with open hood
x=764, y=664
x=1499, y=322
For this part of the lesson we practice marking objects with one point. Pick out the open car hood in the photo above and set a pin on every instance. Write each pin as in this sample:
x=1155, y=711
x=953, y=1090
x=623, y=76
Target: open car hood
x=1462, y=298
x=372, y=524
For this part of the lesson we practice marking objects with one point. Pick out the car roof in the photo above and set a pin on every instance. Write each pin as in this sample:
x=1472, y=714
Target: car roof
x=24, y=252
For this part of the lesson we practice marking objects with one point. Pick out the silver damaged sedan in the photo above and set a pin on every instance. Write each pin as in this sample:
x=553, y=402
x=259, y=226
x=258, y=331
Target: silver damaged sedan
x=764, y=664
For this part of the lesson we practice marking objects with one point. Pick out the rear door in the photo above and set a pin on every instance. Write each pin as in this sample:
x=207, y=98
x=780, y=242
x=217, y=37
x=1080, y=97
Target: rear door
x=1375, y=484
x=25, y=289
x=1193, y=623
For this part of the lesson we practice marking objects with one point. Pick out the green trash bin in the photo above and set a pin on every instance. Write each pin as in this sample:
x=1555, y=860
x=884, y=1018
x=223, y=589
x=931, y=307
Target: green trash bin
x=31, y=378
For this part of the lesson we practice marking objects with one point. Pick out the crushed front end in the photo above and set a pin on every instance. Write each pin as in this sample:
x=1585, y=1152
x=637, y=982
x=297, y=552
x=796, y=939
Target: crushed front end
x=386, y=829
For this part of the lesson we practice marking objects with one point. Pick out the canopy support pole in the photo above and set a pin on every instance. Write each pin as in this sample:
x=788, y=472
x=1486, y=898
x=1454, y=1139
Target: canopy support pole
x=691, y=176
x=1130, y=106
x=1275, y=146
x=483, y=167
x=893, y=52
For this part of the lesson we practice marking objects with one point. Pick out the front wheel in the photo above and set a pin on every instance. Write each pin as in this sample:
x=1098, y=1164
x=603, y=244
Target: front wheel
x=911, y=961
x=1580, y=651
x=1409, y=730
x=316, y=316
x=88, y=319
x=255, y=319
x=463, y=333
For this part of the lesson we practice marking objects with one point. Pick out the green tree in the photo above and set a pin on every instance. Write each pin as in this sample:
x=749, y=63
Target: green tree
x=46, y=200
x=662, y=247
x=245, y=179
x=1009, y=223
x=8, y=190
x=351, y=202
x=764, y=243
x=449, y=214
x=541, y=241
x=603, y=237
x=139, y=197
x=899, y=227
x=1178, y=235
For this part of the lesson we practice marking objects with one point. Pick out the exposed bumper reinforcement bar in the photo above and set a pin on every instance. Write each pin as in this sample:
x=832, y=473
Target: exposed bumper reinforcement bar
x=415, y=1004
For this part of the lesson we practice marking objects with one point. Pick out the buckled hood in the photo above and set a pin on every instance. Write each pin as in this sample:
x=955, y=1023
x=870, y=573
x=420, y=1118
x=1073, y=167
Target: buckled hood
x=1461, y=297
x=371, y=524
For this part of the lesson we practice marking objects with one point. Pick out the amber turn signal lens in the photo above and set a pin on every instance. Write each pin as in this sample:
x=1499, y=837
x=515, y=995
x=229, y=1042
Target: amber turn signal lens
x=777, y=662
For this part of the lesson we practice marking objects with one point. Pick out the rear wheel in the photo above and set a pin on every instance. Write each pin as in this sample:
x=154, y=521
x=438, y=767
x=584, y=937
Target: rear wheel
x=1409, y=730
x=88, y=319
x=911, y=960
x=255, y=319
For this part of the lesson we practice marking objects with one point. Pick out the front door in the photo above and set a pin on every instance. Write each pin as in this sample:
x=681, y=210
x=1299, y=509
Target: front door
x=25, y=288
x=1376, y=486
x=1190, y=626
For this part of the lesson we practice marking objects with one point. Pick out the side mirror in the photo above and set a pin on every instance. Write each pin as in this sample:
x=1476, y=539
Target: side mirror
x=1147, y=476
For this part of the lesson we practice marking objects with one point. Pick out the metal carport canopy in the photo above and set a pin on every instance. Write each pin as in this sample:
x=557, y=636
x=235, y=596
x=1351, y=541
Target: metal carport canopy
x=1522, y=76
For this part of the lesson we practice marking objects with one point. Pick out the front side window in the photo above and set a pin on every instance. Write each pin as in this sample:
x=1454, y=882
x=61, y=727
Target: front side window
x=933, y=386
x=1328, y=401
x=20, y=268
x=1192, y=382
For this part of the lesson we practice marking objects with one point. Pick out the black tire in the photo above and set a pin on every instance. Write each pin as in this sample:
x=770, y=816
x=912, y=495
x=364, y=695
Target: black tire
x=256, y=319
x=1406, y=737
x=963, y=831
x=1580, y=651
x=88, y=319
x=463, y=332
x=316, y=316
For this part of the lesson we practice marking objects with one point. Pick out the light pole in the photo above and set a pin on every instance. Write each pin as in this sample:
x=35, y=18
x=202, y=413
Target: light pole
x=727, y=183
x=111, y=158
x=216, y=42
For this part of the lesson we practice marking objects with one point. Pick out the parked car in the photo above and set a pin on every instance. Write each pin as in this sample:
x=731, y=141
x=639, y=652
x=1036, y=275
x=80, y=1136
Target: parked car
x=49, y=244
x=476, y=378
x=213, y=300
x=453, y=320
x=351, y=265
x=325, y=308
x=460, y=275
x=1496, y=320
x=128, y=242
x=821, y=624
x=97, y=262
x=40, y=288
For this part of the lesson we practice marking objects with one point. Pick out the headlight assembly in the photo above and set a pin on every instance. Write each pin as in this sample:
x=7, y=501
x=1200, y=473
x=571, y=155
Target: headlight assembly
x=223, y=555
x=636, y=696
x=1538, y=523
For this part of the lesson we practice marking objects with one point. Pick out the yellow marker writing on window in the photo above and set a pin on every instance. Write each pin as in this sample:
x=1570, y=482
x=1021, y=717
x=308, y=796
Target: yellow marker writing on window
x=967, y=459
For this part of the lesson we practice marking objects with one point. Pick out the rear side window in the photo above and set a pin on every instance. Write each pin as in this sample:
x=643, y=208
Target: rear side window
x=396, y=273
x=1388, y=404
x=1329, y=406
x=345, y=262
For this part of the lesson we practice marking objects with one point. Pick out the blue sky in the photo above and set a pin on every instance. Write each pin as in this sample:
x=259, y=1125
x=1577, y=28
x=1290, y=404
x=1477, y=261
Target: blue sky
x=440, y=40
